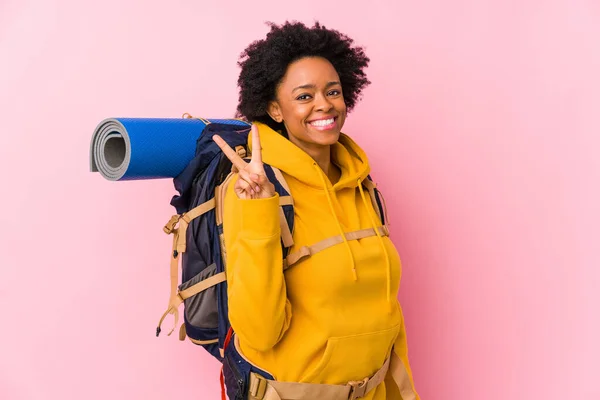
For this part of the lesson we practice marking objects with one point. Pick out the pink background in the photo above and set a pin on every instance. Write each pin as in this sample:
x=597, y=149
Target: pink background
x=482, y=125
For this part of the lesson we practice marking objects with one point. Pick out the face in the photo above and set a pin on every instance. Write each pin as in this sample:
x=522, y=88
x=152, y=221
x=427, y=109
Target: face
x=309, y=101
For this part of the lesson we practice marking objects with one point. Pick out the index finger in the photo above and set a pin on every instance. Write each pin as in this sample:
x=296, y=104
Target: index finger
x=256, y=149
x=239, y=163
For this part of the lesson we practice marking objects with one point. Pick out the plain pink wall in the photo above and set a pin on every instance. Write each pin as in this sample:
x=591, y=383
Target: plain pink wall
x=482, y=125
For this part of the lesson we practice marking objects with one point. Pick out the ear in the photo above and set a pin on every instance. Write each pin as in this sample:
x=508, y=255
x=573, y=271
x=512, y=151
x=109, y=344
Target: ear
x=274, y=111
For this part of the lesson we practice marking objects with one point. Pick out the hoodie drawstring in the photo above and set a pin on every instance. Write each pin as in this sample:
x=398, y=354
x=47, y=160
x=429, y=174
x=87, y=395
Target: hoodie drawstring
x=339, y=225
x=343, y=235
x=387, y=256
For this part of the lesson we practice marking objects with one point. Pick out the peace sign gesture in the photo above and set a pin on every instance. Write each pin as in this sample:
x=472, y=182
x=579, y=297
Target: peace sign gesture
x=252, y=180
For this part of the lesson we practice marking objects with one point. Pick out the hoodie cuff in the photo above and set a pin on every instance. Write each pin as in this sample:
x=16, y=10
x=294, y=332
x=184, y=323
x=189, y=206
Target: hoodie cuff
x=260, y=217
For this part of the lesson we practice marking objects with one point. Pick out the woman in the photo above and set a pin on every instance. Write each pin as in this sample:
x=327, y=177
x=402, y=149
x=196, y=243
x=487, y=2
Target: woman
x=333, y=319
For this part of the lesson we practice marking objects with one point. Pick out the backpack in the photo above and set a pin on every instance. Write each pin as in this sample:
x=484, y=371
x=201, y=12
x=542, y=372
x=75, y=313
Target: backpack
x=197, y=229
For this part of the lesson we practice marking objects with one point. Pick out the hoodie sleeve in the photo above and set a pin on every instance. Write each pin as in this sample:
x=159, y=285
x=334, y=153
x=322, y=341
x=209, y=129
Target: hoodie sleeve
x=259, y=310
x=400, y=370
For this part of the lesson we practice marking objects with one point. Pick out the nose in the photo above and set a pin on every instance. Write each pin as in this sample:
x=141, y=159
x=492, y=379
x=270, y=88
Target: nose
x=322, y=103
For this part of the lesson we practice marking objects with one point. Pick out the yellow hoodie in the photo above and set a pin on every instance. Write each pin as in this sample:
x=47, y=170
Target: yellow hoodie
x=333, y=317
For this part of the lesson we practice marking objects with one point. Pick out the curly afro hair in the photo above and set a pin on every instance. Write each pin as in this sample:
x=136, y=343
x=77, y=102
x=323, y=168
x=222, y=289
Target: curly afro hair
x=264, y=63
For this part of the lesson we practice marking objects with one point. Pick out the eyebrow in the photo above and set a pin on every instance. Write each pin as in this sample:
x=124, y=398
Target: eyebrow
x=311, y=86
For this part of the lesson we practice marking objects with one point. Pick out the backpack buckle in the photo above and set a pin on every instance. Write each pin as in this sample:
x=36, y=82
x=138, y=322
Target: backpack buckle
x=258, y=386
x=241, y=151
x=170, y=226
x=358, y=389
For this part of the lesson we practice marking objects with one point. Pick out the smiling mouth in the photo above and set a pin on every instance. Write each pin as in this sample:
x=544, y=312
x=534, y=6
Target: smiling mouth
x=324, y=124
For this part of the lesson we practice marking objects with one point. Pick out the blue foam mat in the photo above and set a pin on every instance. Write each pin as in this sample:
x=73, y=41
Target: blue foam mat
x=146, y=148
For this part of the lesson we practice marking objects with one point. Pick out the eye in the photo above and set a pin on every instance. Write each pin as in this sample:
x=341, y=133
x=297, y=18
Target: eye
x=334, y=92
x=303, y=97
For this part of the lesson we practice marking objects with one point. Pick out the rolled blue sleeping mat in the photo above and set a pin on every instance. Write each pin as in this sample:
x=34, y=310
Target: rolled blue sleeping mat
x=146, y=148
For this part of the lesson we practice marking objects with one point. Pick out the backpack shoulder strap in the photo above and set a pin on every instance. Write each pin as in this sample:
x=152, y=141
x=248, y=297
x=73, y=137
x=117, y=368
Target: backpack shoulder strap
x=286, y=206
x=377, y=200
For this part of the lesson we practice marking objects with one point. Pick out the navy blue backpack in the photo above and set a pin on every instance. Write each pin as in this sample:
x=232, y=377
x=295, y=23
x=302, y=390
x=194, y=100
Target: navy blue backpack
x=197, y=231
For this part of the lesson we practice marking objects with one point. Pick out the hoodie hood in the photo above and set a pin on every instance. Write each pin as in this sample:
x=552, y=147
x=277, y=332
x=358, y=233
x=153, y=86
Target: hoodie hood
x=281, y=153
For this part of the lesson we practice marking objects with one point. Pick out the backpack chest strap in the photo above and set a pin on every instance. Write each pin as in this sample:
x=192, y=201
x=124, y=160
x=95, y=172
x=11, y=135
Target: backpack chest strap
x=307, y=251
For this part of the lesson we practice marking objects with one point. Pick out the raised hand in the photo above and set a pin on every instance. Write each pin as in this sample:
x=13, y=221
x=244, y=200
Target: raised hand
x=252, y=180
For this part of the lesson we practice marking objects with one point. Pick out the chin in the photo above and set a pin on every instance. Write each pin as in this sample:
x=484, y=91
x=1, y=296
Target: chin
x=310, y=136
x=325, y=140
x=333, y=138
x=323, y=137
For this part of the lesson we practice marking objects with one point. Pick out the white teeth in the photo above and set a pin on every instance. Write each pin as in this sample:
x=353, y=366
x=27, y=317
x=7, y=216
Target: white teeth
x=323, y=122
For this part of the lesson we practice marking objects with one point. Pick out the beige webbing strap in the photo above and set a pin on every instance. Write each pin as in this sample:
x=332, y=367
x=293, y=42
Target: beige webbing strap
x=223, y=250
x=174, y=267
x=286, y=201
x=220, y=197
x=210, y=341
x=385, y=213
x=370, y=186
x=307, y=251
x=281, y=179
x=182, y=332
x=286, y=234
x=184, y=221
x=264, y=389
x=179, y=246
x=203, y=285
x=241, y=151
x=400, y=375
x=178, y=298
x=173, y=276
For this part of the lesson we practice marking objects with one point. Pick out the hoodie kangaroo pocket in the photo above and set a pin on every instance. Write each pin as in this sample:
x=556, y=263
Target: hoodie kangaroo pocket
x=354, y=357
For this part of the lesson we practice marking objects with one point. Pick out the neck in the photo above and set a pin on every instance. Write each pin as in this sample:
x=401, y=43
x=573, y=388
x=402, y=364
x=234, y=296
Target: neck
x=322, y=156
